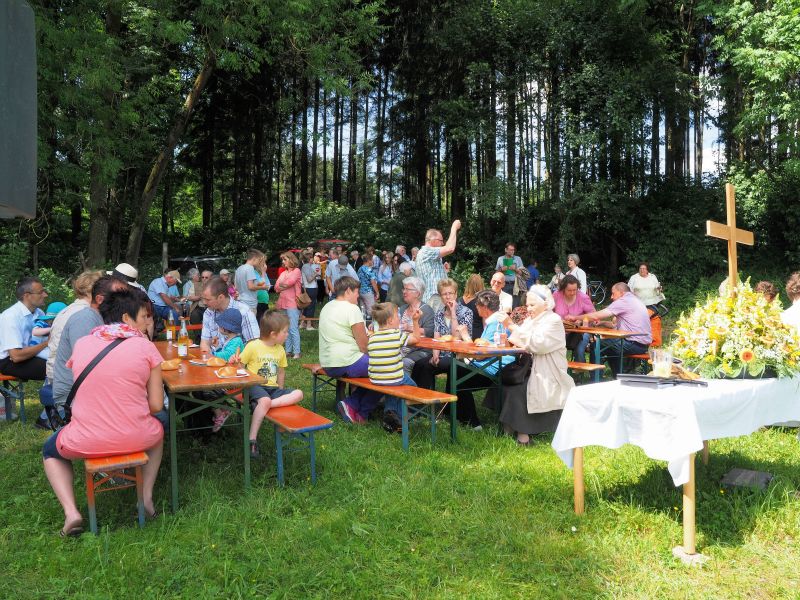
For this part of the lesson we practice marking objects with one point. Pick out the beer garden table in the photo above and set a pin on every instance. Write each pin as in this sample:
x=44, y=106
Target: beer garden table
x=196, y=378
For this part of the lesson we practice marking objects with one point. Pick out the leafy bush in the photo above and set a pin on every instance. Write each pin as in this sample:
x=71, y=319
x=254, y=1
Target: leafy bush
x=13, y=261
x=58, y=289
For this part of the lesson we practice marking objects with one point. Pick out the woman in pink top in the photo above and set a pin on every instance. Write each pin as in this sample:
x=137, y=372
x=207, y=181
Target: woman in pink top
x=571, y=302
x=288, y=288
x=113, y=409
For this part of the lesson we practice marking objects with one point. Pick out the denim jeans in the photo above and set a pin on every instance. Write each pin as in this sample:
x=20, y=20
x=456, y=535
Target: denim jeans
x=393, y=403
x=163, y=312
x=610, y=350
x=361, y=400
x=293, y=341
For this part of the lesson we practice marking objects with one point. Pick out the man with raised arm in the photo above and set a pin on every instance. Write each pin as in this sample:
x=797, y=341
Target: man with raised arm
x=428, y=264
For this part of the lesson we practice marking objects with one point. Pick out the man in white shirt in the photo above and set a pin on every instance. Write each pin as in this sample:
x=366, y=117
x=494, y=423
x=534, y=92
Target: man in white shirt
x=17, y=357
x=497, y=282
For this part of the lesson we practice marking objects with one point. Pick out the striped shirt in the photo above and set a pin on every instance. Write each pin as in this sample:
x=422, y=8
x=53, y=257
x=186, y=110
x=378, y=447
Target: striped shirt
x=385, y=361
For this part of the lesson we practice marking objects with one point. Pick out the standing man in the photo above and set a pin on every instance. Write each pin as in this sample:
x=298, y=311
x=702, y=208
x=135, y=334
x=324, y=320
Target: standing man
x=400, y=251
x=428, y=263
x=17, y=357
x=164, y=293
x=508, y=265
x=631, y=315
x=533, y=271
x=355, y=260
x=336, y=270
x=248, y=280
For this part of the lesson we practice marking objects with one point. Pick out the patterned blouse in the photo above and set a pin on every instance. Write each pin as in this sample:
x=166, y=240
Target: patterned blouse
x=440, y=326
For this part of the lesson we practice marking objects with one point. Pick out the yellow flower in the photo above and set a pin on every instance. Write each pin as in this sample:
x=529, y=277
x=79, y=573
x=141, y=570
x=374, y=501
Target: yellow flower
x=747, y=355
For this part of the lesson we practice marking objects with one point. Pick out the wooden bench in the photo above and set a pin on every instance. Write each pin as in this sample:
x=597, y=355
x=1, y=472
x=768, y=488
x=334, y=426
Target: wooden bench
x=581, y=367
x=103, y=475
x=296, y=423
x=416, y=401
x=13, y=389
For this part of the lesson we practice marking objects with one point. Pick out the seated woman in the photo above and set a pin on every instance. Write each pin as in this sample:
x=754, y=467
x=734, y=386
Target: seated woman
x=571, y=302
x=535, y=406
x=454, y=320
x=488, y=304
x=646, y=287
x=113, y=409
x=413, y=289
x=473, y=286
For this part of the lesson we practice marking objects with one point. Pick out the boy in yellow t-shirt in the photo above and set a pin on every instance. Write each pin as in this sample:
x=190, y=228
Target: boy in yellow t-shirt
x=266, y=357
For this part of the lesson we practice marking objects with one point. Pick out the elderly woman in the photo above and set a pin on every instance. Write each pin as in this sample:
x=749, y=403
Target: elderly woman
x=413, y=290
x=225, y=275
x=113, y=409
x=538, y=409
x=556, y=279
x=791, y=316
x=343, y=348
x=571, y=302
x=288, y=287
x=454, y=320
x=573, y=260
x=646, y=287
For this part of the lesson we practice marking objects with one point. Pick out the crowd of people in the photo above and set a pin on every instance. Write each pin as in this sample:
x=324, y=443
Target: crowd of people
x=375, y=307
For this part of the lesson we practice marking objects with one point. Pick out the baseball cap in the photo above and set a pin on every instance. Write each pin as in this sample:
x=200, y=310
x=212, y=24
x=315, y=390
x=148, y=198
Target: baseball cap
x=230, y=319
x=53, y=309
x=176, y=275
x=224, y=272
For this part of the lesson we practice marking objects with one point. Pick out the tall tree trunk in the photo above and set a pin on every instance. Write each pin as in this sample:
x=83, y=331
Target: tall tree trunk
x=98, y=217
x=365, y=150
x=258, y=158
x=337, y=178
x=293, y=180
x=314, y=138
x=511, y=149
x=383, y=99
x=325, y=143
x=351, y=151
x=304, y=145
x=157, y=172
x=655, y=140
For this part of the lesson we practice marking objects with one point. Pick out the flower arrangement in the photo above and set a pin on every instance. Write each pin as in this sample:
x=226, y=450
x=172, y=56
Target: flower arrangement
x=735, y=335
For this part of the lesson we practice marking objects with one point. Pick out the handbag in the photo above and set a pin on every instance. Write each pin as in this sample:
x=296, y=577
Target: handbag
x=516, y=372
x=88, y=369
x=303, y=300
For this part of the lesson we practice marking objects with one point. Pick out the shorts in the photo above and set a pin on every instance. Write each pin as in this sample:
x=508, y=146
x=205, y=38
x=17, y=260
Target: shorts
x=257, y=392
x=50, y=448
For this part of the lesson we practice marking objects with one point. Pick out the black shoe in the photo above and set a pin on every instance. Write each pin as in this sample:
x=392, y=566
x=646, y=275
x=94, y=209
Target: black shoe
x=392, y=423
x=255, y=451
x=43, y=424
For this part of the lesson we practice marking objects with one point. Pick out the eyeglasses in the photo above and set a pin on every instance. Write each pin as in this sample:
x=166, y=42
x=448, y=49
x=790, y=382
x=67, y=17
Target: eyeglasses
x=39, y=293
x=205, y=277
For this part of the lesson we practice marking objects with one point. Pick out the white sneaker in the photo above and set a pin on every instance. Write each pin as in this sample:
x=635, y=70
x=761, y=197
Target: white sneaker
x=310, y=327
x=478, y=428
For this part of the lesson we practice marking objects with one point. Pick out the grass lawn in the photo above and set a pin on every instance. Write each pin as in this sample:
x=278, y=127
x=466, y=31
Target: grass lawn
x=483, y=518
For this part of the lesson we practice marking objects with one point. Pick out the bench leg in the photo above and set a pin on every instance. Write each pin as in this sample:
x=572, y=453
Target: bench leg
x=90, y=502
x=404, y=420
x=279, y=454
x=313, y=450
x=173, y=451
x=139, y=495
x=314, y=383
x=433, y=423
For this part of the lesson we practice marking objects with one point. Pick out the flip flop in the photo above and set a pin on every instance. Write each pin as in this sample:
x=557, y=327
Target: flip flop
x=73, y=531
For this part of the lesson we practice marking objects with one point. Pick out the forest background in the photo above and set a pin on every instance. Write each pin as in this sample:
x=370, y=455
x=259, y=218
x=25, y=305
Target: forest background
x=562, y=125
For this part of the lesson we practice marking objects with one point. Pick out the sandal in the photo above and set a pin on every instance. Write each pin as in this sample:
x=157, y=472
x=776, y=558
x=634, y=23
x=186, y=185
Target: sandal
x=255, y=451
x=74, y=530
x=219, y=420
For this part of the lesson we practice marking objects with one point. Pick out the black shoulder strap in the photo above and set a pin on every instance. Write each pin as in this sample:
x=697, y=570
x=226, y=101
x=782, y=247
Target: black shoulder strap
x=89, y=368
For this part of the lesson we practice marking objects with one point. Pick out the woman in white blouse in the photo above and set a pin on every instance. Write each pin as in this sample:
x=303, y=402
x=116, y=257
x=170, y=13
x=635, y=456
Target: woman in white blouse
x=573, y=260
x=646, y=286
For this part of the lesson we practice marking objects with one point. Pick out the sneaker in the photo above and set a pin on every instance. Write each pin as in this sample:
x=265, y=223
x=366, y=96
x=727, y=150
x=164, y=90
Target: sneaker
x=219, y=420
x=391, y=422
x=347, y=413
x=477, y=428
x=310, y=327
x=296, y=355
x=255, y=451
x=43, y=424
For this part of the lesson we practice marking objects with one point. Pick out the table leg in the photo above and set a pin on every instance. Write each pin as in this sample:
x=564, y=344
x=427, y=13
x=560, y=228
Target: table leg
x=454, y=391
x=599, y=359
x=173, y=450
x=577, y=474
x=246, y=435
x=705, y=452
x=688, y=511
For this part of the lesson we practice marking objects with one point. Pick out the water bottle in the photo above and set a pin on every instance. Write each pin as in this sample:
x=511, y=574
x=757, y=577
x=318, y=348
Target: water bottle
x=497, y=338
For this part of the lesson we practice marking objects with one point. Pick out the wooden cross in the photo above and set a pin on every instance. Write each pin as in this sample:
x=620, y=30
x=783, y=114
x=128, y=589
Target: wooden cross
x=730, y=233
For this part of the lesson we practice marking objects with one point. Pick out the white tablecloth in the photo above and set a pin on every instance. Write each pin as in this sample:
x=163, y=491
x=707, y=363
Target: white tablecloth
x=670, y=424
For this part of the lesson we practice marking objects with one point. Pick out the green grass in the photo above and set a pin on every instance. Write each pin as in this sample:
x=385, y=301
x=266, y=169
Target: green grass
x=482, y=518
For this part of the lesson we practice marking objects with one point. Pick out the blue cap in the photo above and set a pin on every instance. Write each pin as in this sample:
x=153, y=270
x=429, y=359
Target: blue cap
x=231, y=320
x=53, y=309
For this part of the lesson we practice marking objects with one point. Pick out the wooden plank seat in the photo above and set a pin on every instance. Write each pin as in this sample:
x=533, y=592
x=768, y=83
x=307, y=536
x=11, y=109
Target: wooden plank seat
x=13, y=390
x=642, y=359
x=104, y=474
x=581, y=367
x=321, y=382
x=296, y=423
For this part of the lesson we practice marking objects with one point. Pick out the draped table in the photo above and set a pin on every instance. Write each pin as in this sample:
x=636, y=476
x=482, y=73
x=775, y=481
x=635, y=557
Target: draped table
x=669, y=424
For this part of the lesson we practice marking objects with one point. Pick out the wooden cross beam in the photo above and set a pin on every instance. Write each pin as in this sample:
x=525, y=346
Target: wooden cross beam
x=730, y=233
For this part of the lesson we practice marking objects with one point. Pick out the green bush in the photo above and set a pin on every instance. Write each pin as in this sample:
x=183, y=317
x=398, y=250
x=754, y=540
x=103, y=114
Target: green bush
x=13, y=261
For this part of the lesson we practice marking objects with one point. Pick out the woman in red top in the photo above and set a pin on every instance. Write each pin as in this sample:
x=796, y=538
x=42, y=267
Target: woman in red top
x=113, y=409
x=288, y=288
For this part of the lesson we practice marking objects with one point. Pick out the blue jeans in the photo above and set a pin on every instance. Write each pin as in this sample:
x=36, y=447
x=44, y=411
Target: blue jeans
x=293, y=341
x=611, y=350
x=163, y=312
x=361, y=400
x=393, y=403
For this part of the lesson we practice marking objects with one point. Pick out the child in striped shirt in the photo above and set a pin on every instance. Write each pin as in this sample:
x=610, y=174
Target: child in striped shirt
x=385, y=360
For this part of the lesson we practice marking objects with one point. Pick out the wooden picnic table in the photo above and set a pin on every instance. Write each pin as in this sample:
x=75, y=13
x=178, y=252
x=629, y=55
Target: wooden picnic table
x=197, y=378
x=603, y=333
x=469, y=351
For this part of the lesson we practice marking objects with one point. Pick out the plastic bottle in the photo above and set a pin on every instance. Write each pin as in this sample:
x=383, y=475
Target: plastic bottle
x=183, y=340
